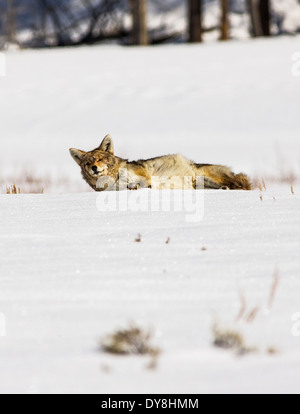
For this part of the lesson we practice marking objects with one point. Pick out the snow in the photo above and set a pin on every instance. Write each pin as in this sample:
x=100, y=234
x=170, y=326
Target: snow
x=71, y=271
x=289, y=12
x=70, y=274
x=234, y=104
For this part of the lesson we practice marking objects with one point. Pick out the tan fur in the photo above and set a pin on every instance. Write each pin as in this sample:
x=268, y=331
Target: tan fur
x=102, y=170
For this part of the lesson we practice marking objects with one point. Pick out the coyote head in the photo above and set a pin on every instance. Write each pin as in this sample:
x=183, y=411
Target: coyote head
x=97, y=163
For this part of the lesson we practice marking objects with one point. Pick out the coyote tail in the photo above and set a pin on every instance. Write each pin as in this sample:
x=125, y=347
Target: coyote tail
x=238, y=182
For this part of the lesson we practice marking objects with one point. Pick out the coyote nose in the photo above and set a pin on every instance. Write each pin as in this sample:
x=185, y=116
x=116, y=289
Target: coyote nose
x=94, y=168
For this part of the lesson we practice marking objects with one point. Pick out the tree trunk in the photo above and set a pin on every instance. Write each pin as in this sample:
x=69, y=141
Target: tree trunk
x=43, y=22
x=139, y=22
x=260, y=13
x=265, y=14
x=195, y=21
x=224, y=20
x=10, y=21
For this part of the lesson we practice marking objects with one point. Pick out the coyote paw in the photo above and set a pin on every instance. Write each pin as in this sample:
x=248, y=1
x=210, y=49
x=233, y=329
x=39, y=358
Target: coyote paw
x=133, y=187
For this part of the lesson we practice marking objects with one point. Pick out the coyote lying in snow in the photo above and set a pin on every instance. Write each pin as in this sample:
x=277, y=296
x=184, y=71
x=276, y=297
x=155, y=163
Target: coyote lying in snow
x=102, y=170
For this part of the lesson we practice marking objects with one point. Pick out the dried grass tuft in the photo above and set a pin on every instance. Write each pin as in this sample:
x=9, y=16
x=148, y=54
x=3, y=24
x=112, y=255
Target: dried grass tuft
x=274, y=288
x=230, y=340
x=129, y=341
x=12, y=189
x=138, y=239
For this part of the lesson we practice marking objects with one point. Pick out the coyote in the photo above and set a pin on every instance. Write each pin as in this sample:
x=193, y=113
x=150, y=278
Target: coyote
x=102, y=170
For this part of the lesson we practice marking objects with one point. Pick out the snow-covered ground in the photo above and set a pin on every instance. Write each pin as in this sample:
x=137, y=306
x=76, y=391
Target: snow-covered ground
x=235, y=104
x=71, y=272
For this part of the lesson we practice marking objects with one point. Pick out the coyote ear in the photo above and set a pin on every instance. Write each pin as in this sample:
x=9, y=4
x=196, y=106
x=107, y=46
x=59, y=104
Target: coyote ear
x=77, y=155
x=107, y=144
